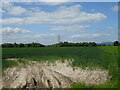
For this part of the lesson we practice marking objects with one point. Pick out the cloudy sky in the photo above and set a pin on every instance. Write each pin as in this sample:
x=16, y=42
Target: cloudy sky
x=74, y=22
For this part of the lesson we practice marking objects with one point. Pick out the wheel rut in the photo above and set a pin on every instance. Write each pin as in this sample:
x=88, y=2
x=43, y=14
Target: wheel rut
x=59, y=75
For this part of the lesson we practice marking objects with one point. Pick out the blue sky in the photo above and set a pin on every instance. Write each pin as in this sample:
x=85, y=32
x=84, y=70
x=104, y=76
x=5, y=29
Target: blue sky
x=75, y=22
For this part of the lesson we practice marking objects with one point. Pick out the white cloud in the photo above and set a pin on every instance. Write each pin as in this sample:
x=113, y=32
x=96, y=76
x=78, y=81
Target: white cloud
x=52, y=3
x=13, y=21
x=13, y=31
x=6, y=4
x=11, y=35
x=113, y=31
x=2, y=11
x=71, y=27
x=92, y=10
x=95, y=35
x=111, y=28
x=11, y=9
x=63, y=15
x=4, y=7
x=115, y=8
x=41, y=38
x=17, y=10
x=45, y=35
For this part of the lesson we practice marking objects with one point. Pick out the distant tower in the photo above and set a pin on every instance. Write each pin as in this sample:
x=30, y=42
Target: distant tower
x=37, y=41
x=58, y=38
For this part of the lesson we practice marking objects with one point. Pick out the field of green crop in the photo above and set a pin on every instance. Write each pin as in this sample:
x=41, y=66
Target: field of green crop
x=92, y=57
x=111, y=54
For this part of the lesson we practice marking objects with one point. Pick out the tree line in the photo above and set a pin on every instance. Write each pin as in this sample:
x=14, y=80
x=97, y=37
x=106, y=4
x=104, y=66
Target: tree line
x=61, y=44
x=22, y=45
x=67, y=44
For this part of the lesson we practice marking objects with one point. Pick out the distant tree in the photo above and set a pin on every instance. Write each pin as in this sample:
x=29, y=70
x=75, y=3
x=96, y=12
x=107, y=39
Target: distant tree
x=21, y=45
x=85, y=44
x=9, y=45
x=28, y=45
x=116, y=43
x=93, y=44
x=15, y=45
x=3, y=45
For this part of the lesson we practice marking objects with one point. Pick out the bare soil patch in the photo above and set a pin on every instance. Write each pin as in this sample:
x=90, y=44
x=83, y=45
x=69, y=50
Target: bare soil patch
x=54, y=75
x=12, y=59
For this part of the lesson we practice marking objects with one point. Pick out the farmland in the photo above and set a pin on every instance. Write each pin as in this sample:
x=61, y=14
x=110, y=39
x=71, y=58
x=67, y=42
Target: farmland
x=92, y=57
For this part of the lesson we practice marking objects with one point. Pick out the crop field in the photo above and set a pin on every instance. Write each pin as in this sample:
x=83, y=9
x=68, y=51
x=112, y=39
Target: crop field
x=92, y=57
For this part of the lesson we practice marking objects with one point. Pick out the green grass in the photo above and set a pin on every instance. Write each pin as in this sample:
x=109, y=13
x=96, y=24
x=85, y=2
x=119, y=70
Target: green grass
x=6, y=64
x=109, y=54
x=83, y=56
x=113, y=49
x=92, y=57
x=111, y=84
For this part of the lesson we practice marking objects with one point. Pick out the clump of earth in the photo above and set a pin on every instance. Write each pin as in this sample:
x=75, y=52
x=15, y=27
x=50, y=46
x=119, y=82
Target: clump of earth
x=51, y=75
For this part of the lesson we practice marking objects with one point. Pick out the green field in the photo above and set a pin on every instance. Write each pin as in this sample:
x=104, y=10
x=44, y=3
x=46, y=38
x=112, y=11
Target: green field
x=92, y=57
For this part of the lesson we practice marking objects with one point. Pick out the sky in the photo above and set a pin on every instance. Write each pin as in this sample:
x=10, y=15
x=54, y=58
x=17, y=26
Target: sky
x=42, y=22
